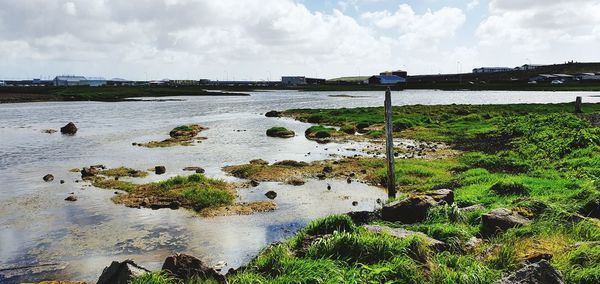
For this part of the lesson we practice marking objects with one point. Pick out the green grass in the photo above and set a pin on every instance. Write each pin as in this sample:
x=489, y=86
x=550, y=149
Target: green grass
x=200, y=198
x=279, y=131
x=319, y=131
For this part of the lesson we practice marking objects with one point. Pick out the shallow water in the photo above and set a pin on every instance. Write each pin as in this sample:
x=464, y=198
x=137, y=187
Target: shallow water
x=50, y=238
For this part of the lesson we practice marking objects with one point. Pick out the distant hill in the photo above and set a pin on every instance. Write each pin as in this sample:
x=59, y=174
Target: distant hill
x=517, y=75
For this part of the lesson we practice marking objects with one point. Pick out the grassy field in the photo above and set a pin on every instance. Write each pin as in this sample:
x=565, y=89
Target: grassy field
x=542, y=161
x=106, y=93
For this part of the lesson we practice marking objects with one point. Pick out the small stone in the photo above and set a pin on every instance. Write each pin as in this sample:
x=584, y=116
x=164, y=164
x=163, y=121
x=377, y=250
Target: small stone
x=159, y=170
x=254, y=183
x=349, y=180
x=328, y=186
x=69, y=129
x=271, y=194
x=327, y=169
x=71, y=198
x=354, y=203
x=48, y=178
x=62, y=181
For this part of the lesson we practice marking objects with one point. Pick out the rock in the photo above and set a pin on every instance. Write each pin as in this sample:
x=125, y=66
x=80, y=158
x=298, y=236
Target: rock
x=174, y=205
x=409, y=210
x=280, y=132
x=48, y=178
x=185, y=266
x=259, y=162
x=354, y=203
x=271, y=194
x=254, y=183
x=71, y=198
x=472, y=244
x=500, y=220
x=62, y=181
x=328, y=186
x=446, y=195
x=327, y=169
x=198, y=170
x=591, y=208
x=89, y=172
x=364, y=217
x=295, y=181
x=403, y=233
x=220, y=265
x=534, y=273
x=159, y=170
x=273, y=113
x=121, y=272
x=321, y=176
x=472, y=208
x=349, y=180
x=69, y=129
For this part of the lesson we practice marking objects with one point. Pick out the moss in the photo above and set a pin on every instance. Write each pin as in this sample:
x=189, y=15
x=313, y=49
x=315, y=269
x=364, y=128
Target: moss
x=184, y=135
x=123, y=172
x=280, y=132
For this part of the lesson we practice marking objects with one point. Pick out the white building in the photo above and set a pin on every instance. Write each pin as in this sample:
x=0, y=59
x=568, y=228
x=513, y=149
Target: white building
x=491, y=69
x=587, y=76
x=70, y=81
x=96, y=81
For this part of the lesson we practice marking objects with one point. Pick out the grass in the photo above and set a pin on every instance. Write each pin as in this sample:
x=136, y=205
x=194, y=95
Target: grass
x=278, y=131
x=183, y=135
x=541, y=161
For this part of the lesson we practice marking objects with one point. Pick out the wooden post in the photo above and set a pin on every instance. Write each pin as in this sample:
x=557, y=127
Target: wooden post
x=389, y=145
x=578, y=105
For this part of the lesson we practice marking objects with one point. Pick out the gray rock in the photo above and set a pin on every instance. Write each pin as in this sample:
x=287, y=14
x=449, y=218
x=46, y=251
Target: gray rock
x=439, y=195
x=185, y=266
x=535, y=273
x=409, y=210
x=500, y=220
x=472, y=208
x=89, y=172
x=591, y=208
x=48, y=178
x=121, y=272
x=403, y=234
x=271, y=194
x=273, y=113
x=69, y=129
x=71, y=198
x=159, y=170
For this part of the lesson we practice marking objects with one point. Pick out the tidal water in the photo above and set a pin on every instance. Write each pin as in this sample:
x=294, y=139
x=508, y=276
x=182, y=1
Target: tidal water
x=44, y=237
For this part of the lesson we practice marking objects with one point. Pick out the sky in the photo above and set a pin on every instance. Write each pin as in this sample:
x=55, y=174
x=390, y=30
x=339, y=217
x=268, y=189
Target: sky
x=267, y=39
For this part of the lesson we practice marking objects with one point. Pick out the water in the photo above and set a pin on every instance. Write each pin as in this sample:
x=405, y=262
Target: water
x=49, y=238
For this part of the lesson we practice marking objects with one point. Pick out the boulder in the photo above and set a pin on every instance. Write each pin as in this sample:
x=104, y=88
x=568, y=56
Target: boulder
x=71, y=198
x=260, y=162
x=439, y=195
x=271, y=194
x=159, y=170
x=403, y=234
x=534, y=273
x=500, y=220
x=48, y=178
x=409, y=210
x=472, y=208
x=364, y=217
x=69, y=129
x=273, y=113
x=121, y=272
x=185, y=266
x=198, y=170
x=89, y=172
x=327, y=169
x=591, y=208
x=254, y=183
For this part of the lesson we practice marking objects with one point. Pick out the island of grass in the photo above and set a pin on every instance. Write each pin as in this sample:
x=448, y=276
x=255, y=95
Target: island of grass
x=209, y=197
x=540, y=163
x=104, y=93
x=184, y=135
x=281, y=132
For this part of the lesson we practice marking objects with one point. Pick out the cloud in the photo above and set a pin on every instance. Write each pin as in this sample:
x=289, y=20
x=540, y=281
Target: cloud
x=416, y=30
x=471, y=5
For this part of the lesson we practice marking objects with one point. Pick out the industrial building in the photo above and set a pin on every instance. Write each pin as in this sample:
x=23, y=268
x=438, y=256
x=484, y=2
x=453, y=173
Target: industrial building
x=491, y=69
x=399, y=73
x=70, y=81
x=96, y=81
x=300, y=80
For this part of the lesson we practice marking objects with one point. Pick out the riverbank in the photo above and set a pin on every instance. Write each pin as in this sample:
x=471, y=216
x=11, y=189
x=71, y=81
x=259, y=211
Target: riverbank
x=523, y=197
x=102, y=94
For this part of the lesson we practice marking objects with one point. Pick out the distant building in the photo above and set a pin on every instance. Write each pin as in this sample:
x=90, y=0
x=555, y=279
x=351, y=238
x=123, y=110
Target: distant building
x=96, y=81
x=587, y=76
x=564, y=77
x=315, y=81
x=386, y=80
x=399, y=73
x=528, y=67
x=293, y=80
x=543, y=78
x=70, y=81
x=491, y=69
x=119, y=82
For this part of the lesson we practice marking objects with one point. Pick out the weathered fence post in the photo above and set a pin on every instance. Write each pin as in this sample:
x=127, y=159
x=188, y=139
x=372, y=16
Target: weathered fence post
x=389, y=145
x=578, y=105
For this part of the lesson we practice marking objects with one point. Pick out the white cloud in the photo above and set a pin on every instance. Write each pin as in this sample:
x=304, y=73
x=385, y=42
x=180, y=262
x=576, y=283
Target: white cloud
x=471, y=5
x=548, y=31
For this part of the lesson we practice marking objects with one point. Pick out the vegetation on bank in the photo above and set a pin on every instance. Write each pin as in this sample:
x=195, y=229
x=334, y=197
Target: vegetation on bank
x=540, y=161
x=281, y=132
x=184, y=135
x=207, y=196
x=105, y=93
